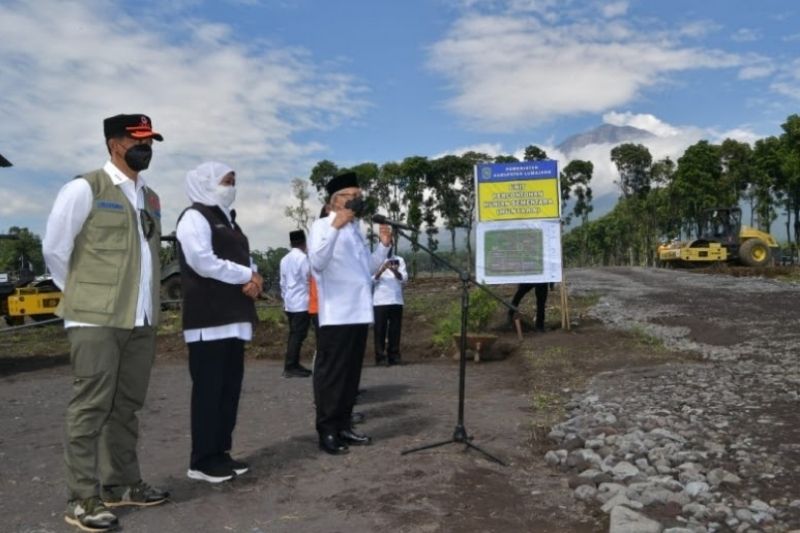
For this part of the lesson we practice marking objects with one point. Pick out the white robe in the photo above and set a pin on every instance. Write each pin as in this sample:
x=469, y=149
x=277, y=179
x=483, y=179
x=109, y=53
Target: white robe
x=343, y=268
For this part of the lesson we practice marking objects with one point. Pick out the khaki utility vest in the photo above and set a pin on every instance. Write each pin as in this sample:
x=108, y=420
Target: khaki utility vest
x=102, y=285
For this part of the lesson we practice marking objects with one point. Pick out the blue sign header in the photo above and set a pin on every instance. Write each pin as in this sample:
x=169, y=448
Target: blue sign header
x=525, y=170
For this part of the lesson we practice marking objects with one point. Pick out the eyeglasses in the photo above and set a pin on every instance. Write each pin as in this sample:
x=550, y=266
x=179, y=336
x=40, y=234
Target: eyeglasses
x=148, y=224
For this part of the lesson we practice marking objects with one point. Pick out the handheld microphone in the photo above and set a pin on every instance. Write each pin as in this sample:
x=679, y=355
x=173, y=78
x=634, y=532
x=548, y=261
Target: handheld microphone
x=380, y=219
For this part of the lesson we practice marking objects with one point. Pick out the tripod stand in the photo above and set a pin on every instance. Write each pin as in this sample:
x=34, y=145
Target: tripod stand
x=460, y=434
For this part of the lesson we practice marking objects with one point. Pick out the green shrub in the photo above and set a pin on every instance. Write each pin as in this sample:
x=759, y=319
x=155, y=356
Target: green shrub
x=272, y=316
x=481, y=308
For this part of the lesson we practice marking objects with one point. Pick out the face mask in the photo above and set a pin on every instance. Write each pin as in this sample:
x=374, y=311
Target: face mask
x=357, y=205
x=138, y=157
x=225, y=195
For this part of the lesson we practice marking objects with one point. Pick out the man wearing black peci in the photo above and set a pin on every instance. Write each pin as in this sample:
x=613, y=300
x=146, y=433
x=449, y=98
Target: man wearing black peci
x=343, y=268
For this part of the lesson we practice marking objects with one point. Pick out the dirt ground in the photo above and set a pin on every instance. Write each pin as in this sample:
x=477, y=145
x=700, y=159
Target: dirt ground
x=511, y=403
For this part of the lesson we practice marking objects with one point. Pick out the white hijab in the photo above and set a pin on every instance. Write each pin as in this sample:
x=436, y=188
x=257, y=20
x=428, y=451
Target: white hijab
x=202, y=182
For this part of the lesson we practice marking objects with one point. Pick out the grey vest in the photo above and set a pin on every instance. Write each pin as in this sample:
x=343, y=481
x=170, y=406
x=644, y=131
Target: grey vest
x=102, y=284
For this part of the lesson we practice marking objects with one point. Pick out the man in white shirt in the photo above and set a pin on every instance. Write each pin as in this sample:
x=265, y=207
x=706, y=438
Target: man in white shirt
x=342, y=267
x=388, y=304
x=101, y=246
x=295, y=273
x=219, y=288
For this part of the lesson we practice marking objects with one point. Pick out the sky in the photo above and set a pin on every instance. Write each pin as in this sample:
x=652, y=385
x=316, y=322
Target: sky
x=271, y=87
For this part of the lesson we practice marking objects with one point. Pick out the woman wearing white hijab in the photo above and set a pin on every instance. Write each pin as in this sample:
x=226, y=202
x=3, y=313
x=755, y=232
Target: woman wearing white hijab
x=219, y=289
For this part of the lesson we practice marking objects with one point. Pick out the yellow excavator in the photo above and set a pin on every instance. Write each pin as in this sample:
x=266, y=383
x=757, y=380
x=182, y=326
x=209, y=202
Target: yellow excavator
x=722, y=238
x=22, y=294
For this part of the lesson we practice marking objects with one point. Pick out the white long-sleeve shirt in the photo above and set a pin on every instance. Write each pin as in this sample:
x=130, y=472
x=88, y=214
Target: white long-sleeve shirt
x=342, y=267
x=194, y=235
x=294, y=281
x=388, y=289
x=71, y=208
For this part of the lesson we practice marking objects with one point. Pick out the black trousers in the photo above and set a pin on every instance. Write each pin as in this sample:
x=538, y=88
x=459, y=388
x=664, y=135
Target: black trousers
x=298, y=330
x=337, y=371
x=217, y=369
x=541, y=299
x=388, y=319
x=315, y=324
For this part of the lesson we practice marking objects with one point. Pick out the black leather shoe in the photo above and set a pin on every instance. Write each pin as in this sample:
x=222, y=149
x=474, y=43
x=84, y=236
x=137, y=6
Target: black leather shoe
x=332, y=445
x=395, y=361
x=357, y=418
x=381, y=361
x=355, y=438
x=296, y=372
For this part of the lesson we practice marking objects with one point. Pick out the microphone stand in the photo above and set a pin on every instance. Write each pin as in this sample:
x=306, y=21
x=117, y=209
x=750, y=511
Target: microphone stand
x=460, y=434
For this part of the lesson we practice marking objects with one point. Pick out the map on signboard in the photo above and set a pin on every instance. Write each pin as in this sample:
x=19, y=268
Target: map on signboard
x=511, y=252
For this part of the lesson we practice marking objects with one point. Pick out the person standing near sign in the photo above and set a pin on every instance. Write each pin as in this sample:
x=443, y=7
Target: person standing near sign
x=540, y=290
x=102, y=246
x=343, y=267
x=295, y=272
x=388, y=304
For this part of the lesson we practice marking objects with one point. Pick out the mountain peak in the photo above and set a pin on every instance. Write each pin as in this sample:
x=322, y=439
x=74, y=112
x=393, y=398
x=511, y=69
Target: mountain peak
x=603, y=134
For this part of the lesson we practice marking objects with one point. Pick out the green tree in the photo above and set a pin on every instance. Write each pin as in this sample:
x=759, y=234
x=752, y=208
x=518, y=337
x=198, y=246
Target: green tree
x=737, y=161
x=416, y=170
x=789, y=184
x=269, y=263
x=21, y=251
x=300, y=213
x=534, y=153
x=768, y=168
x=575, y=180
x=446, y=172
x=320, y=175
x=467, y=195
x=698, y=183
x=633, y=162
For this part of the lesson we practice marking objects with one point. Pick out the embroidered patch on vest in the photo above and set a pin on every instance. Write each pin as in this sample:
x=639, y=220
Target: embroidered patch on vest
x=105, y=204
x=154, y=205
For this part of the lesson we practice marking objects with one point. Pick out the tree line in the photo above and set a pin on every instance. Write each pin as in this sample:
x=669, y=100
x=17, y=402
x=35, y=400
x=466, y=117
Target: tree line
x=434, y=195
x=665, y=199
x=659, y=200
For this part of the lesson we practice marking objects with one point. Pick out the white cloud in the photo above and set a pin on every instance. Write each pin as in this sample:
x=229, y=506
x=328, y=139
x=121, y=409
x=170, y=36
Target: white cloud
x=746, y=35
x=16, y=202
x=492, y=149
x=509, y=72
x=737, y=134
x=667, y=141
x=643, y=121
x=752, y=72
x=614, y=9
x=67, y=65
x=697, y=29
x=788, y=81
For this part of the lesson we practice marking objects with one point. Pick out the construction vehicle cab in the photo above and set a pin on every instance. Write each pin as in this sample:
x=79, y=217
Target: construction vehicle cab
x=23, y=294
x=721, y=238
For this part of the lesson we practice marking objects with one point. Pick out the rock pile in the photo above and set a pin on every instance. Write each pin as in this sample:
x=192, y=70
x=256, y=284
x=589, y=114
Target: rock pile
x=688, y=447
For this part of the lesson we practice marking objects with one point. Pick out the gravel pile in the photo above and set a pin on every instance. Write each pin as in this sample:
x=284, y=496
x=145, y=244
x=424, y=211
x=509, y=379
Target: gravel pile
x=691, y=447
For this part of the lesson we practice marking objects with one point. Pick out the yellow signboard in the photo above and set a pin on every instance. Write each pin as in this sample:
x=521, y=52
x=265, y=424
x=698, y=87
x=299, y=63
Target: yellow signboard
x=515, y=200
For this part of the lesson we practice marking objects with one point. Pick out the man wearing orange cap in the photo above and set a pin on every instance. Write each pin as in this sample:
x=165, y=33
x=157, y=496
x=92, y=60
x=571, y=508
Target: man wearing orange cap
x=102, y=246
